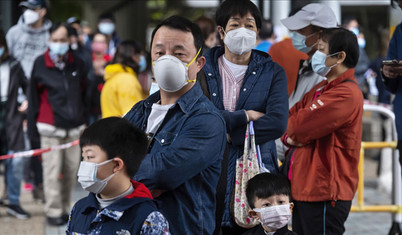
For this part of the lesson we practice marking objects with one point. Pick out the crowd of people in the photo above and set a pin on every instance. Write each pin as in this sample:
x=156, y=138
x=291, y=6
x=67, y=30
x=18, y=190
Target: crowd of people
x=158, y=152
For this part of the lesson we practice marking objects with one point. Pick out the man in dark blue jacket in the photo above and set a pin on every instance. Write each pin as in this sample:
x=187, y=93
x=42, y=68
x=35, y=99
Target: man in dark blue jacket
x=186, y=133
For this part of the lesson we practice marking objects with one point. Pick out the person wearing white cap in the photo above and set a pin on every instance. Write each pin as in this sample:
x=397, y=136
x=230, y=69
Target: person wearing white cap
x=304, y=27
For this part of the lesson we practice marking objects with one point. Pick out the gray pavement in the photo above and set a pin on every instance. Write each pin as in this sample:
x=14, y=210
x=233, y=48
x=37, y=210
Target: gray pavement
x=357, y=223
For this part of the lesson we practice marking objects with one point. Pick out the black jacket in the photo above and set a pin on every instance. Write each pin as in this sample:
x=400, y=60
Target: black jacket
x=14, y=118
x=259, y=230
x=57, y=97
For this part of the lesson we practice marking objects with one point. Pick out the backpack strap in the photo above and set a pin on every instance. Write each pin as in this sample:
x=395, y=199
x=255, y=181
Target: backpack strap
x=203, y=82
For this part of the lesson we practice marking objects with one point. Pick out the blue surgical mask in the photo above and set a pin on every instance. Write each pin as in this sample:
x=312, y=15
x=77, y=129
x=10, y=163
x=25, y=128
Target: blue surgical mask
x=299, y=41
x=1, y=51
x=106, y=28
x=355, y=31
x=361, y=42
x=318, y=63
x=59, y=48
x=142, y=64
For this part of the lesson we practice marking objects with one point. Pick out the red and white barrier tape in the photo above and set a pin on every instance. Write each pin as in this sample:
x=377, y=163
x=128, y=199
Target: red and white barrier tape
x=35, y=152
x=388, y=106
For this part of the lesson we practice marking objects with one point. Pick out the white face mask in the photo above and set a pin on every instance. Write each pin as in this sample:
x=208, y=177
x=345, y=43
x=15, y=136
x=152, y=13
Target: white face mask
x=87, y=176
x=154, y=88
x=170, y=73
x=318, y=63
x=30, y=16
x=74, y=46
x=106, y=28
x=275, y=217
x=240, y=41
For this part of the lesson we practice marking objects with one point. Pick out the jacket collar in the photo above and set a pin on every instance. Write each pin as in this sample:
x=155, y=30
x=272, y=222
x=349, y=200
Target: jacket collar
x=185, y=102
x=257, y=57
x=349, y=74
x=115, y=210
x=49, y=62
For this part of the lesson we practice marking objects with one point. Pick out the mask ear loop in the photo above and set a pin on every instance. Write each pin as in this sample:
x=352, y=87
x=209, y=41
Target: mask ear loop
x=187, y=65
x=333, y=55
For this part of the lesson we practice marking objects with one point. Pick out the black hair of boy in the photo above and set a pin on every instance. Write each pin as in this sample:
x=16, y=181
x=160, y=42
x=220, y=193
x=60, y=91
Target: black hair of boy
x=56, y=26
x=231, y=8
x=340, y=39
x=265, y=185
x=118, y=138
x=185, y=25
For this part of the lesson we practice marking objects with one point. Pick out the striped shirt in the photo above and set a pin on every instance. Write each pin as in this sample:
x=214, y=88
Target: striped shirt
x=232, y=79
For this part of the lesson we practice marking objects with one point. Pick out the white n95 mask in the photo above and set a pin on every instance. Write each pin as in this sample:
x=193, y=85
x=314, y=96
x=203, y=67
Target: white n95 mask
x=87, y=176
x=240, y=41
x=30, y=16
x=154, y=88
x=275, y=217
x=170, y=73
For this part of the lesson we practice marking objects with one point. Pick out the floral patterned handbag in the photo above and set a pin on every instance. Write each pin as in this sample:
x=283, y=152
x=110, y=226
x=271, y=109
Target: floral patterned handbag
x=247, y=167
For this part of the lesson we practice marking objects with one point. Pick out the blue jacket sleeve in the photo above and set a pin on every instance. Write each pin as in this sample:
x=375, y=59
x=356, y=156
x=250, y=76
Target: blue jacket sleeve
x=392, y=84
x=199, y=144
x=273, y=124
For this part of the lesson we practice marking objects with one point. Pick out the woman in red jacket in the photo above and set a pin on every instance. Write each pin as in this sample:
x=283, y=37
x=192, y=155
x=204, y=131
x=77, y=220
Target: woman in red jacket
x=325, y=128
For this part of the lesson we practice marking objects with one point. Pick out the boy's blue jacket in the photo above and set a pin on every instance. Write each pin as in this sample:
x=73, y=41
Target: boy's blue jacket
x=264, y=89
x=126, y=215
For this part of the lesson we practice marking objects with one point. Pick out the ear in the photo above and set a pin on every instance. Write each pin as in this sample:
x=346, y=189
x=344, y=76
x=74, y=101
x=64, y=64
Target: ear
x=253, y=214
x=221, y=32
x=43, y=12
x=119, y=164
x=291, y=205
x=200, y=63
x=341, y=57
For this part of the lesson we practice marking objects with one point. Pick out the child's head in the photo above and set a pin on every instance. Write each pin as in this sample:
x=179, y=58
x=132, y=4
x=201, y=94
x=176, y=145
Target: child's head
x=268, y=196
x=110, y=140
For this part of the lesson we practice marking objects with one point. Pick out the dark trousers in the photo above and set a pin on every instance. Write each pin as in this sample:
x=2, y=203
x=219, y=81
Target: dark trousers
x=318, y=218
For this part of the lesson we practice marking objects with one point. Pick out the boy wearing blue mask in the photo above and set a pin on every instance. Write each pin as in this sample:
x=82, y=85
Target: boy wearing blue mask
x=112, y=151
x=269, y=195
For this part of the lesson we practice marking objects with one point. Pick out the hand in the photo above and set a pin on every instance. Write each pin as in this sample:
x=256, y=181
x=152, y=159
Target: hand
x=23, y=107
x=254, y=115
x=392, y=71
x=156, y=192
x=293, y=143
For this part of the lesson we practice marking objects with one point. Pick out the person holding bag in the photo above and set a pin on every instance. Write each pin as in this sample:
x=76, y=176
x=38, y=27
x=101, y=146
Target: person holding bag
x=325, y=128
x=245, y=85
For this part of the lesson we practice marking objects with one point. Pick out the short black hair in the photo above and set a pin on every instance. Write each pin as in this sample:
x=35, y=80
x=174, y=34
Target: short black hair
x=231, y=8
x=118, y=138
x=347, y=19
x=267, y=29
x=124, y=54
x=185, y=25
x=72, y=31
x=56, y=26
x=340, y=39
x=265, y=185
x=106, y=16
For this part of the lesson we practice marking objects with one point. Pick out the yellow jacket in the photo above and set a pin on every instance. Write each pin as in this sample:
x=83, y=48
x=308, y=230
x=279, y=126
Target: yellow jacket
x=121, y=91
